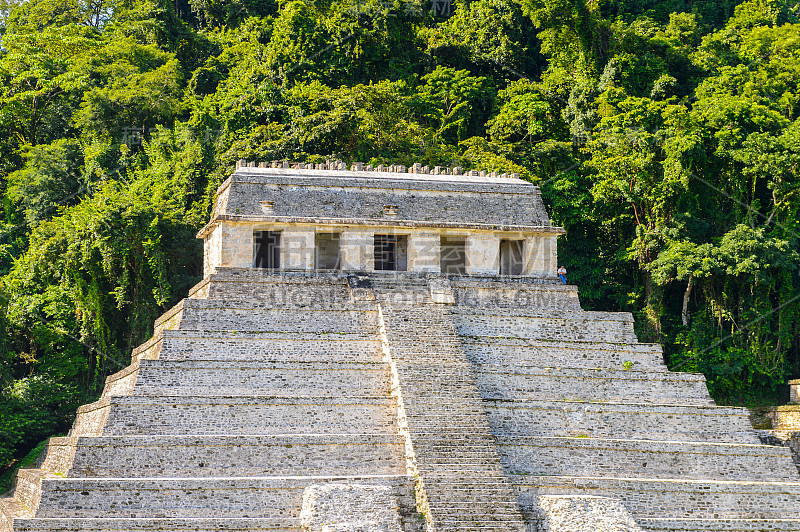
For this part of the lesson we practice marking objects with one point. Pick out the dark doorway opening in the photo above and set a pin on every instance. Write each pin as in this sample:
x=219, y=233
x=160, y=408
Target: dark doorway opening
x=511, y=257
x=391, y=252
x=326, y=251
x=454, y=255
x=267, y=249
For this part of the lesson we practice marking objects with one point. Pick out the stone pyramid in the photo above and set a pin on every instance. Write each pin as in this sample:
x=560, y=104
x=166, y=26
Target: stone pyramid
x=309, y=399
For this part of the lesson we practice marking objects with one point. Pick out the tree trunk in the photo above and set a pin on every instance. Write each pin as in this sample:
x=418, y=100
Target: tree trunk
x=685, y=308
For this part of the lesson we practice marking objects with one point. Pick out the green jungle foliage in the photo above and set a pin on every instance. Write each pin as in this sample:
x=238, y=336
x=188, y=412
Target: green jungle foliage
x=665, y=135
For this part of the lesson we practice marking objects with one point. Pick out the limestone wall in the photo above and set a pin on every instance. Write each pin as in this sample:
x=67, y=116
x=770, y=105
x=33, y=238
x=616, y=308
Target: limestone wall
x=590, y=457
x=533, y=383
x=230, y=244
x=514, y=292
x=680, y=498
x=495, y=351
x=191, y=497
x=555, y=325
x=236, y=456
x=133, y=415
x=622, y=421
x=214, y=377
x=241, y=346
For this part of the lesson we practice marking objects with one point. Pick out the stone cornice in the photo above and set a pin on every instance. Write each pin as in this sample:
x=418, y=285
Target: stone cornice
x=377, y=222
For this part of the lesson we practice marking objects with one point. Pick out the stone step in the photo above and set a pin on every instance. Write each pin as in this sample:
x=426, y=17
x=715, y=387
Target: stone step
x=452, y=393
x=447, y=420
x=397, y=279
x=236, y=415
x=443, y=440
x=450, y=425
x=463, y=519
x=624, y=421
x=577, y=384
x=217, y=314
x=589, y=457
x=160, y=377
x=477, y=499
x=719, y=525
x=490, y=474
x=86, y=524
x=494, y=485
x=468, y=511
x=477, y=522
x=510, y=352
x=514, y=292
x=454, y=470
x=220, y=497
x=453, y=464
x=398, y=282
x=236, y=345
x=287, y=287
x=385, y=289
x=438, y=316
x=462, y=312
x=452, y=449
x=476, y=511
x=404, y=297
x=677, y=498
x=468, y=459
x=220, y=455
x=468, y=517
x=425, y=352
x=483, y=525
x=519, y=323
x=463, y=457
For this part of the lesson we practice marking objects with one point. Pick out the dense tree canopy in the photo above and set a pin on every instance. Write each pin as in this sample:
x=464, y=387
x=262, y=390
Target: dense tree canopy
x=665, y=135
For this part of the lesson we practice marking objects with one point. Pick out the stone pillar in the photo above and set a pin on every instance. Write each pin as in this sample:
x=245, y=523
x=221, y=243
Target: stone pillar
x=297, y=249
x=236, y=242
x=424, y=252
x=357, y=249
x=794, y=391
x=212, y=251
x=540, y=256
x=483, y=254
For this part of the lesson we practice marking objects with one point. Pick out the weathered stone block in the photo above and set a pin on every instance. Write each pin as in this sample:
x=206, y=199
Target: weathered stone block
x=350, y=508
x=566, y=513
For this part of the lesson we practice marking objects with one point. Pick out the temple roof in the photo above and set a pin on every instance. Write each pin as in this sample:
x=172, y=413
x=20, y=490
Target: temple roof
x=417, y=196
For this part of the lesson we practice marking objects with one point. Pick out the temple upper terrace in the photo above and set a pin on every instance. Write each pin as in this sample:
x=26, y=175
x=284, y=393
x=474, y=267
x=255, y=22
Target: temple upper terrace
x=296, y=216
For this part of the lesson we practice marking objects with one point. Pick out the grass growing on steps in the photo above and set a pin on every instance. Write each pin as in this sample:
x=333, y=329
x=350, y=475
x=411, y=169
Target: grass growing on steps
x=7, y=476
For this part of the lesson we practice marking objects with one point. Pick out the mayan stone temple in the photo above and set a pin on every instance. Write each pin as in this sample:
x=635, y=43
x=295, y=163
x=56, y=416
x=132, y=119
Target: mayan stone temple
x=389, y=349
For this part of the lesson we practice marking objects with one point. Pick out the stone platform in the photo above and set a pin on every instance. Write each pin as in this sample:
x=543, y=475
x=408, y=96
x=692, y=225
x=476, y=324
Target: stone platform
x=410, y=401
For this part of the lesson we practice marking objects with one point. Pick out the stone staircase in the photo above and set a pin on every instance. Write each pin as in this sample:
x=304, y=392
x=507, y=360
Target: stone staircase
x=580, y=408
x=455, y=453
x=260, y=388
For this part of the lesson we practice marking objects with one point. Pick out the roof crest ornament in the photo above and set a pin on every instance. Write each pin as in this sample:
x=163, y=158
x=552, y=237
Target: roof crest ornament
x=416, y=168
